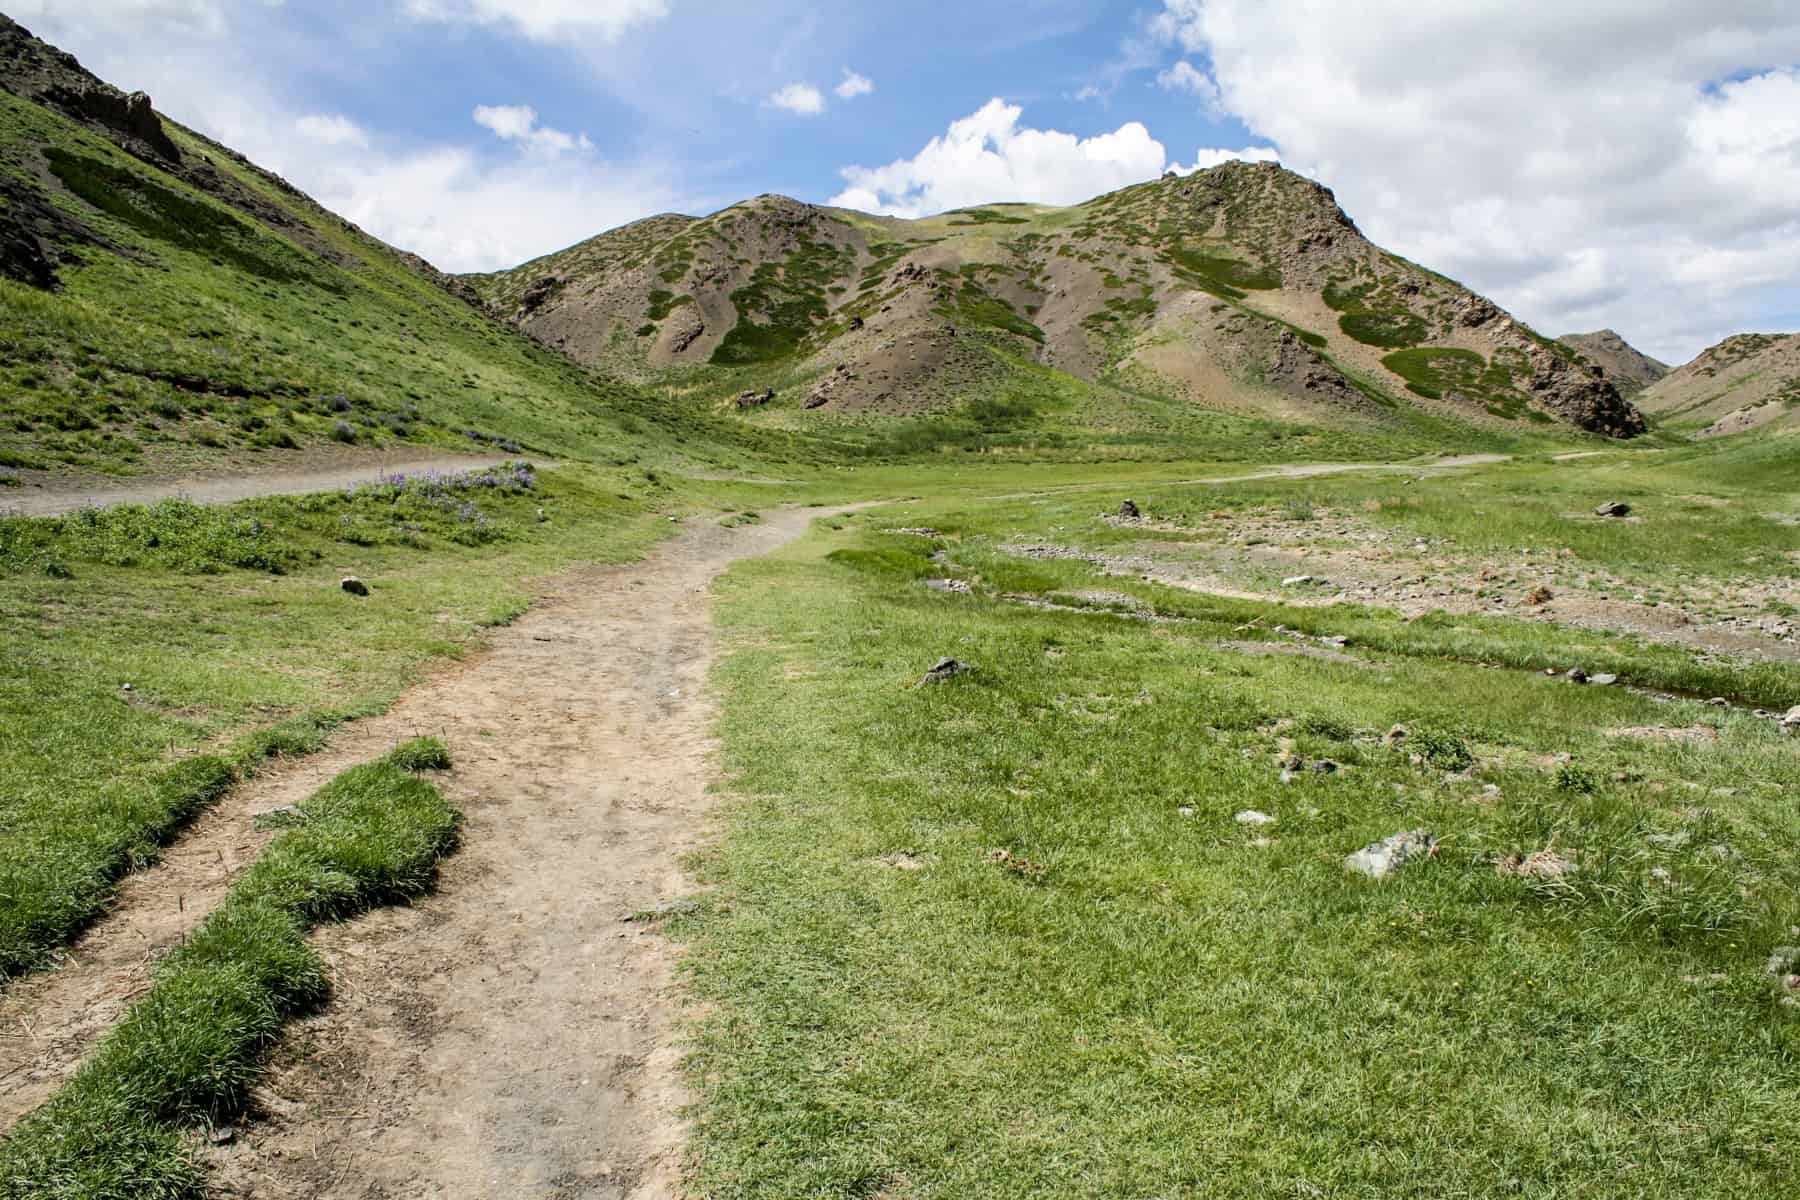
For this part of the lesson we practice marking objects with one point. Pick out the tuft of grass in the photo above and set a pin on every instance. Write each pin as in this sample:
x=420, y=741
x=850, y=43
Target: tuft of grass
x=187, y=1053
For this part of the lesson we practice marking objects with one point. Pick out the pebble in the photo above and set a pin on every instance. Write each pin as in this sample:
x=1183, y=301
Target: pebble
x=1251, y=817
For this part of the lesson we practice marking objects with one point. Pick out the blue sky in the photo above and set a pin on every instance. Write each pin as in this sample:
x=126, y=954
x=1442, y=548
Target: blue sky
x=1647, y=187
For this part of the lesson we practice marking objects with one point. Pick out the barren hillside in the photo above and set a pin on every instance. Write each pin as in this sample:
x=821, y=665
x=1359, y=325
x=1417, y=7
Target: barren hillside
x=1750, y=381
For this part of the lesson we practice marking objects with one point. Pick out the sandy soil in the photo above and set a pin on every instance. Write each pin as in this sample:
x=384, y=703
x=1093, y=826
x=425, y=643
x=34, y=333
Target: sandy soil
x=512, y=1034
x=51, y=495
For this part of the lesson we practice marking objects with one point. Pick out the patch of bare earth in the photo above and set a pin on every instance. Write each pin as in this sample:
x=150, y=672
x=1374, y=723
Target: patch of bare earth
x=48, y=495
x=1245, y=554
x=512, y=1034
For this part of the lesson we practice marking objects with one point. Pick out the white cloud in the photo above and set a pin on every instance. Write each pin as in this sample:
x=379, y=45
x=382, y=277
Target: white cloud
x=801, y=98
x=519, y=123
x=331, y=131
x=1583, y=164
x=853, y=85
x=52, y=18
x=1091, y=91
x=1185, y=77
x=546, y=19
x=466, y=205
x=986, y=157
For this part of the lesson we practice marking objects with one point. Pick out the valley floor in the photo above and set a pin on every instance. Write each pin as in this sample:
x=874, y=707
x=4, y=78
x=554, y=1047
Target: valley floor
x=1075, y=921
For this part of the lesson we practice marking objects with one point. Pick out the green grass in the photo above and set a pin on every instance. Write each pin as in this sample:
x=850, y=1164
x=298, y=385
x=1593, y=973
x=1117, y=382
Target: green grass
x=187, y=1053
x=1152, y=1006
x=192, y=335
x=1223, y=276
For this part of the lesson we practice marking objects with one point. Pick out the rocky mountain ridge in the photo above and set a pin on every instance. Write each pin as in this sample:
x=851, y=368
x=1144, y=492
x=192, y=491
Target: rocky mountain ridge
x=1630, y=369
x=1244, y=287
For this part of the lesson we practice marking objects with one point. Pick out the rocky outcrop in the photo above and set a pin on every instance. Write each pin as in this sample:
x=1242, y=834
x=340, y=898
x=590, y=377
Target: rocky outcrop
x=1581, y=395
x=56, y=79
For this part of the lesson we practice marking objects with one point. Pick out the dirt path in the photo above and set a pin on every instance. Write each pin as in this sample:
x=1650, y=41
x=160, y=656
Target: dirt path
x=511, y=1035
x=1287, y=471
x=50, y=495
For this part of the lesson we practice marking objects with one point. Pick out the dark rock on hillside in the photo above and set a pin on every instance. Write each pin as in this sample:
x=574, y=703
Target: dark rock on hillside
x=34, y=236
x=1582, y=396
x=54, y=78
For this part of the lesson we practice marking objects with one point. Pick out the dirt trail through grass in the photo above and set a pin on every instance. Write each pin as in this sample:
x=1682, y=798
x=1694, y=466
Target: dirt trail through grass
x=510, y=1036
x=1285, y=471
x=50, y=495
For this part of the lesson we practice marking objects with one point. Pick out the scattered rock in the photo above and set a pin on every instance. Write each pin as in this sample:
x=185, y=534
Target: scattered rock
x=354, y=586
x=1396, y=735
x=1018, y=864
x=1602, y=680
x=1783, y=962
x=1613, y=508
x=1185, y=810
x=1325, y=767
x=818, y=400
x=1576, y=675
x=1790, y=724
x=1253, y=818
x=754, y=399
x=903, y=861
x=1128, y=511
x=1381, y=859
x=948, y=668
x=1544, y=864
x=1539, y=596
x=221, y=1135
x=1719, y=702
x=955, y=587
x=1297, y=581
x=125, y=687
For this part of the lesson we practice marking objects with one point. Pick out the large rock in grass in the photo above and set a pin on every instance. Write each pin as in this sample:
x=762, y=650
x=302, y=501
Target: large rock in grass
x=1380, y=859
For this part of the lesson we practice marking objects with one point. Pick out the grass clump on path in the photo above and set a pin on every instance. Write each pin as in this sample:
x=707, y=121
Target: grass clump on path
x=188, y=1051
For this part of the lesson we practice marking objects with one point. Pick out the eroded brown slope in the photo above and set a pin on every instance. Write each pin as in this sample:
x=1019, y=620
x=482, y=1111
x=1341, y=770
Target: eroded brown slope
x=1750, y=381
x=1244, y=287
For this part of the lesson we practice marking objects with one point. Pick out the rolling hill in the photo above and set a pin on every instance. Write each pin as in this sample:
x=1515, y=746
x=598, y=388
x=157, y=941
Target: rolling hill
x=1750, y=381
x=1630, y=369
x=167, y=305
x=1242, y=288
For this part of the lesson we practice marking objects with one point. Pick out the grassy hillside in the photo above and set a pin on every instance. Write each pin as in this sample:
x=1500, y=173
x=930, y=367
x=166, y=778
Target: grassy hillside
x=163, y=315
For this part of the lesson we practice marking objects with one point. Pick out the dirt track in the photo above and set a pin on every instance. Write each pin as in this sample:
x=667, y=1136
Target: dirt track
x=511, y=1035
x=51, y=496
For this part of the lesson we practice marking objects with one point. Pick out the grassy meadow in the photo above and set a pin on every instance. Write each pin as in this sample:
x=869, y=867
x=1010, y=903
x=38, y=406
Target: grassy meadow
x=1009, y=935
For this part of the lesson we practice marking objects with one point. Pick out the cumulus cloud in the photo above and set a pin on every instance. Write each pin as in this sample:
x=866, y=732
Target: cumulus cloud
x=1577, y=162
x=1185, y=77
x=987, y=156
x=853, y=85
x=519, y=123
x=331, y=130
x=801, y=98
x=546, y=19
